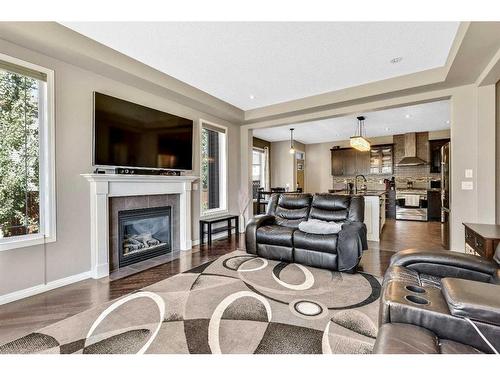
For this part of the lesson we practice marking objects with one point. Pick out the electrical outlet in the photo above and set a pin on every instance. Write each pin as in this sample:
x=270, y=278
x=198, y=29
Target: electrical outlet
x=467, y=185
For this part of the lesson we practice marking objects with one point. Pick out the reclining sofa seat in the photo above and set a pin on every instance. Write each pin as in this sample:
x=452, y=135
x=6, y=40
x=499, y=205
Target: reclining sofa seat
x=436, y=269
x=276, y=234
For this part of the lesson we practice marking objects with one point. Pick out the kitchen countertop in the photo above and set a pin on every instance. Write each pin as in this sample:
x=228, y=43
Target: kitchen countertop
x=369, y=193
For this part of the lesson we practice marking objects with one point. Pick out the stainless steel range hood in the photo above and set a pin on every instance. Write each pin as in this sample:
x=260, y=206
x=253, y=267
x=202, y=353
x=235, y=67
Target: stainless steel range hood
x=411, y=158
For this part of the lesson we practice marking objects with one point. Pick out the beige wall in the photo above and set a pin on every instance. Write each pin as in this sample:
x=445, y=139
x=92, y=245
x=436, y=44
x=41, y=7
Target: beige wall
x=486, y=158
x=70, y=254
x=497, y=136
x=283, y=164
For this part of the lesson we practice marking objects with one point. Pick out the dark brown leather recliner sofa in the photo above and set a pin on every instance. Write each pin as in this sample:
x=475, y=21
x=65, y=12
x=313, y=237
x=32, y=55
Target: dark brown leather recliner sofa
x=440, y=302
x=275, y=235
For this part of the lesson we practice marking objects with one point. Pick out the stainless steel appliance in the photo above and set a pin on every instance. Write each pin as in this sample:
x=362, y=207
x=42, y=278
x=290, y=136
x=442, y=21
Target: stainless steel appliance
x=445, y=196
x=435, y=184
x=411, y=204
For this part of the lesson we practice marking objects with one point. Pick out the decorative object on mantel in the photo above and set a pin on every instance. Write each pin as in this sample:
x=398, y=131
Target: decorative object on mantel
x=358, y=140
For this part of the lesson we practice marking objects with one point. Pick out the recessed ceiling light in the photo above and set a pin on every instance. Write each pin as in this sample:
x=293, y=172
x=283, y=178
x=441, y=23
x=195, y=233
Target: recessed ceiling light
x=407, y=116
x=447, y=121
x=396, y=60
x=252, y=97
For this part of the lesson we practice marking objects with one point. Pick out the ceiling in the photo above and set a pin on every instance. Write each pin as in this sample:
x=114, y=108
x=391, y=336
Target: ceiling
x=417, y=118
x=255, y=64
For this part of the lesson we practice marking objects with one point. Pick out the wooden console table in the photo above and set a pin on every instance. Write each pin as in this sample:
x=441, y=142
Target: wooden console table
x=208, y=223
x=482, y=239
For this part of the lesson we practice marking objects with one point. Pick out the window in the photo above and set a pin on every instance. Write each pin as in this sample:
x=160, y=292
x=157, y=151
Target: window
x=260, y=169
x=27, y=207
x=213, y=169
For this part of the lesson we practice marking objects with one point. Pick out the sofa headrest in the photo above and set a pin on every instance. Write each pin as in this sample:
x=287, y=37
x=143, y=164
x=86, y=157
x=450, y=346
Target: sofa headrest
x=294, y=201
x=331, y=202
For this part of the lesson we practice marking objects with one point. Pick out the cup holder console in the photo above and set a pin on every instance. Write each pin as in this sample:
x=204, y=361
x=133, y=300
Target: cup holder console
x=415, y=289
x=417, y=300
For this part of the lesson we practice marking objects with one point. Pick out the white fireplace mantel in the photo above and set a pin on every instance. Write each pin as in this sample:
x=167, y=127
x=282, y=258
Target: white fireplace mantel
x=103, y=186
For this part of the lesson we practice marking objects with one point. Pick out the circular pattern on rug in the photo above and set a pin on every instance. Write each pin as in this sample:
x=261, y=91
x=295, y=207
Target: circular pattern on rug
x=308, y=276
x=234, y=263
x=243, y=266
x=133, y=338
x=239, y=314
x=284, y=282
x=308, y=309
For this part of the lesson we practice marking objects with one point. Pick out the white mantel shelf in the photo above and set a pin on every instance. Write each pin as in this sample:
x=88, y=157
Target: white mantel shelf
x=104, y=186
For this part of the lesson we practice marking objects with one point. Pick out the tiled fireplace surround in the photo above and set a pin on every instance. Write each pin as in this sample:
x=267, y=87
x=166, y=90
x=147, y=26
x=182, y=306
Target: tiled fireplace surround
x=109, y=193
x=117, y=204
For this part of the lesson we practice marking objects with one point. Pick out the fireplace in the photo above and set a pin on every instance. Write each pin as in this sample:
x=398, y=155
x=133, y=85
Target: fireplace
x=144, y=233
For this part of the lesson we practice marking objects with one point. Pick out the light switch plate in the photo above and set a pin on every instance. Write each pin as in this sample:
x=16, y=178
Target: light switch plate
x=195, y=186
x=467, y=185
x=468, y=173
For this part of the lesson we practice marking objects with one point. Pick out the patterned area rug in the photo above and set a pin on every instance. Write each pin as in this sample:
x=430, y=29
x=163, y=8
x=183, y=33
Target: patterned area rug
x=238, y=303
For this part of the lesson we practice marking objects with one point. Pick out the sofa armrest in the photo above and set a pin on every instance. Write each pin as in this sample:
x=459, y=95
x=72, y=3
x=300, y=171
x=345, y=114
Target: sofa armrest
x=473, y=299
x=350, y=245
x=251, y=231
x=446, y=264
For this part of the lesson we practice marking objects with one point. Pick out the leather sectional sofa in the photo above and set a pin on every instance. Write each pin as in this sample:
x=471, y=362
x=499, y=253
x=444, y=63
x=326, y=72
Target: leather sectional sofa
x=275, y=235
x=440, y=302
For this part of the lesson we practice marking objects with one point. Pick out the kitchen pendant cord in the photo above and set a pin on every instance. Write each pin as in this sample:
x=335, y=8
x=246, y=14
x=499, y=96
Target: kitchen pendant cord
x=482, y=336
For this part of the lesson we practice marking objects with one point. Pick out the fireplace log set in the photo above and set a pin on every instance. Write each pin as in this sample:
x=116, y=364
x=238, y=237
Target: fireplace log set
x=136, y=242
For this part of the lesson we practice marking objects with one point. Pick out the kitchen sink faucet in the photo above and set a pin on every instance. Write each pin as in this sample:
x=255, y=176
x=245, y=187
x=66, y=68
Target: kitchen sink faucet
x=363, y=187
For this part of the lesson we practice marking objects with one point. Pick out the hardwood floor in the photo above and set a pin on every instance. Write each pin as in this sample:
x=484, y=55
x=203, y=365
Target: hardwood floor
x=24, y=316
x=399, y=235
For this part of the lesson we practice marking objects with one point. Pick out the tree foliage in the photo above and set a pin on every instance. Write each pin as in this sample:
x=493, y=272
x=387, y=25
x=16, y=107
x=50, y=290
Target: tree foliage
x=19, y=159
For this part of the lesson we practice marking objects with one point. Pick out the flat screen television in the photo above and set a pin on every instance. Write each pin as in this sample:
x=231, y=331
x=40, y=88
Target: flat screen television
x=133, y=136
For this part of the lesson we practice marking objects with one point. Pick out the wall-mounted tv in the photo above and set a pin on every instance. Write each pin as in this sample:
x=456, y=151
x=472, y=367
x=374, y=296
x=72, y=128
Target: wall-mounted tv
x=131, y=135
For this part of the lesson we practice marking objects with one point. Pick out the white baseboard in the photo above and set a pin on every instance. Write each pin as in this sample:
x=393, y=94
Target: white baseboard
x=41, y=288
x=217, y=236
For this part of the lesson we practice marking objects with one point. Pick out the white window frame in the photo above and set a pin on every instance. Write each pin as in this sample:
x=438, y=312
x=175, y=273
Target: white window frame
x=47, y=232
x=223, y=188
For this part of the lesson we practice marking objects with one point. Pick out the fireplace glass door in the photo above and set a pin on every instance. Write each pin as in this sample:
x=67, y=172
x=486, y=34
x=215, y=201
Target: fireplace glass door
x=144, y=233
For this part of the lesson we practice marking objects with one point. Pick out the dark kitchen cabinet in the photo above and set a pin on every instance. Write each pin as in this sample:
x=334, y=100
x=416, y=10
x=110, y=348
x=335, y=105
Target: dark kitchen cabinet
x=434, y=205
x=435, y=154
x=362, y=162
x=350, y=162
x=337, y=162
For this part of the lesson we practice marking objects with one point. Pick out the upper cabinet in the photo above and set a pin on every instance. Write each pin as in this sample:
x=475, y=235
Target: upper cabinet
x=435, y=154
x=350, y=162
x=381, y=159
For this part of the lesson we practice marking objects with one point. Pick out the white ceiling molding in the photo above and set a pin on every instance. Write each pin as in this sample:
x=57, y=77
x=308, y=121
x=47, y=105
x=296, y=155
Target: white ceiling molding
x=432, y=116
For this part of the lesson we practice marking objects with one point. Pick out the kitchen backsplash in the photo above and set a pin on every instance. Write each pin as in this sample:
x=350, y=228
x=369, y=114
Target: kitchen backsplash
x=419, y=176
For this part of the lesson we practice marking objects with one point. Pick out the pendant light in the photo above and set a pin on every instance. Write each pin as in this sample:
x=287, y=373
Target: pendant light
x=358, y=141
x=292, y=149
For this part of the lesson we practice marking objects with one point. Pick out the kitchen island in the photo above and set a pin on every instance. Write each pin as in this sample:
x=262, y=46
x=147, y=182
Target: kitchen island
x=374, y=212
